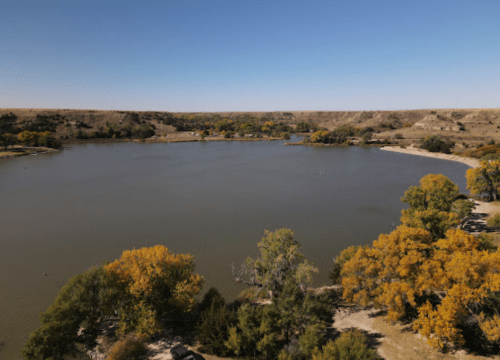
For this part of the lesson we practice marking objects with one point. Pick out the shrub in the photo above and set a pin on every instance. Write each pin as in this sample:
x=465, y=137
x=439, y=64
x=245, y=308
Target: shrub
x=302, y=127
x=486, y=242
x=494, y=221
x=399, y=136
x=322, y=136
x=350, y=345
x=366, y=137
x=435, y=144
x=128, y=348
x=492, y=157
x=212, y=330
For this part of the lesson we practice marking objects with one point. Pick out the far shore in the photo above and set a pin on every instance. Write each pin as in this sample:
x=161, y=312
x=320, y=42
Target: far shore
x=24, y=150
x=420, y=152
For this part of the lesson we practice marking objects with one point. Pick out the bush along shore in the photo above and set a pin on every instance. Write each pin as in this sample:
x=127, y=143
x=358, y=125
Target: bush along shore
x=429, y=273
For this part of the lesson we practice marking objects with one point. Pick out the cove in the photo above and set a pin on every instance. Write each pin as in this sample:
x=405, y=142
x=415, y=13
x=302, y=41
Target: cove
x=63, y=212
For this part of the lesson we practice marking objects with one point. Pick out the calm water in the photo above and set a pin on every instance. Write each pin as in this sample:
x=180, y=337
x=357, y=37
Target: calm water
x=62, y=213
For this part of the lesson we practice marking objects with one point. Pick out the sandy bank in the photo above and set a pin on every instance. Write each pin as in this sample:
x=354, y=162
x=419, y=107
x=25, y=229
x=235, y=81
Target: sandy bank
x=22, y=151
x=411, y=150
x=392, y=341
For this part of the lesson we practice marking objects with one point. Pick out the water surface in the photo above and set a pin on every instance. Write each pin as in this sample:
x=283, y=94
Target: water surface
x=61, y=213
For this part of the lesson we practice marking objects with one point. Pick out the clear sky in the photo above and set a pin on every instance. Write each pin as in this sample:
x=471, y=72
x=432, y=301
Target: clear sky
x=251, y=55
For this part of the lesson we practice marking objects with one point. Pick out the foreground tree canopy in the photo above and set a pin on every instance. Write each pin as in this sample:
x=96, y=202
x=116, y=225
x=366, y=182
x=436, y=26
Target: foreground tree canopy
x=136, y=290
x=444, y=280
x=290, y=327
x=153, y=282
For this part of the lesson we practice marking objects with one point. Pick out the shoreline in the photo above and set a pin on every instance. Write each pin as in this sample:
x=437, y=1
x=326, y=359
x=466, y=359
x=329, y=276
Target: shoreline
x=24, y=151
x=411, y=150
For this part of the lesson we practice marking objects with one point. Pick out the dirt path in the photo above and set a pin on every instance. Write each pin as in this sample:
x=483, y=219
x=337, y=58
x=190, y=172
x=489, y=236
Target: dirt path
x=393, y=341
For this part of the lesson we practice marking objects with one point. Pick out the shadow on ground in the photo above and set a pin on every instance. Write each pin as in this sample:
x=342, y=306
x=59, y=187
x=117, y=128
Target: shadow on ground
x=477, y=224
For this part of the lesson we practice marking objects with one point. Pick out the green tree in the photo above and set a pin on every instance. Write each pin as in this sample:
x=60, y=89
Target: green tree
x=48, y=140
x=293, y=320
x=302, y=127
x=280, y=260
x=74, y=317
x=212, y=330
x=8, y=139
x=256, y=331
x=299, y=311
x=434, y=143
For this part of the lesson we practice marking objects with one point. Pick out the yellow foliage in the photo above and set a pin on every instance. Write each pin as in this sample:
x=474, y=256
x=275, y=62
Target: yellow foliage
x=490, y=327
x=406, y=264
x=484, y=179
x=156, y=281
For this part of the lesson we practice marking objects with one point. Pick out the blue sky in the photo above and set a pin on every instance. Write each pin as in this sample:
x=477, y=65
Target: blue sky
x=252, y=55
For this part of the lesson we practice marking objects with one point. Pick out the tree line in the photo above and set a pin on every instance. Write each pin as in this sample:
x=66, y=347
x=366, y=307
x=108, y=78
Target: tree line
x=341, y=135
x=37, y=133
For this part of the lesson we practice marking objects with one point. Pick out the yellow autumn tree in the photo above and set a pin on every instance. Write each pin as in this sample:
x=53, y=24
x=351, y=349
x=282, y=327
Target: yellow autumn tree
x=444, y=280
x=386, y=272
x=322, y=136
x=431, y=205
x=450, y=284
x=484, y=179
x=155, y=282
x=29, y=138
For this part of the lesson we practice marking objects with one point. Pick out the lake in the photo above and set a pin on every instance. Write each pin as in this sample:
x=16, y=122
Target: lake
x=61, y=213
